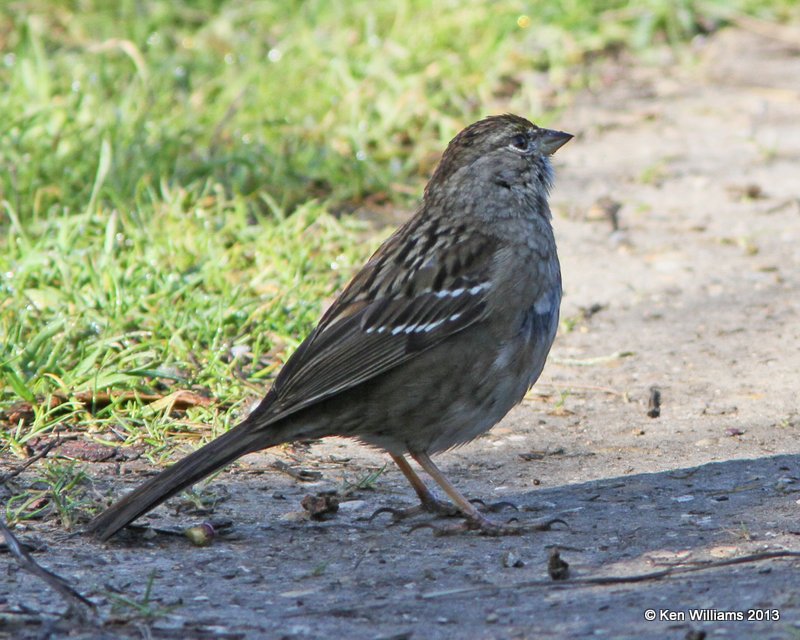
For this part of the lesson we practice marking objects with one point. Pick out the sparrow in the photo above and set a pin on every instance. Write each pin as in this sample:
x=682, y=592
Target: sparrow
x=434, y=340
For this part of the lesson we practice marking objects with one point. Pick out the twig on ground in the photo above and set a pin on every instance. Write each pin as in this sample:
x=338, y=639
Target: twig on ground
x=563, y=584
x=76, y=602
x=304, y=475
x=47, y=449
x=590, y=362
x=612, y=580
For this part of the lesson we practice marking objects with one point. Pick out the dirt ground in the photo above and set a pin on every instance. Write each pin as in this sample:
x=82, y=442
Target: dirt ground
x=696, y=292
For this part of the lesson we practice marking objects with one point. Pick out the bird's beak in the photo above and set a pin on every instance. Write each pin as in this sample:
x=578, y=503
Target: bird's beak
x=551, y=141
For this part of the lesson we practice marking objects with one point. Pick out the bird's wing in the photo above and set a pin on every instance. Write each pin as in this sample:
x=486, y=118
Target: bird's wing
x=388, y=314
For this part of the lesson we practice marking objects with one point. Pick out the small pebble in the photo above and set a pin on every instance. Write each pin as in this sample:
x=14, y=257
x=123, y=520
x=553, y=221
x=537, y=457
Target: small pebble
x=512, y=560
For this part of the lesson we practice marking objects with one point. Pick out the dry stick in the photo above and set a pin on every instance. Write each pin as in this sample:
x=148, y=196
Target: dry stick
x=304, y=475
x=551, y=584
x=590, y=362
x=610, y=580
x=47, y=449
x=75, y=600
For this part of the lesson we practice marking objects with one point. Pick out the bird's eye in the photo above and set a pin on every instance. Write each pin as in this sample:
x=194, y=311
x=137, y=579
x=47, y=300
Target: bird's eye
x=520, y=142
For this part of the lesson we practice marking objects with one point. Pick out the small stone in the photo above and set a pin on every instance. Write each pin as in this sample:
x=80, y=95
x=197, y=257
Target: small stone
x=557, y=567
x=511, y=560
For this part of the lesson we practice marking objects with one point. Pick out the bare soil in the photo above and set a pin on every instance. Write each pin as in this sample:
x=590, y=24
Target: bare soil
x=694, y=291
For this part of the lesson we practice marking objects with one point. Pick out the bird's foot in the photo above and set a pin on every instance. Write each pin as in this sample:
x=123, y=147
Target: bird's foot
x=485, y=527
x=493, y=507
x=440, y=508
x=434, y=506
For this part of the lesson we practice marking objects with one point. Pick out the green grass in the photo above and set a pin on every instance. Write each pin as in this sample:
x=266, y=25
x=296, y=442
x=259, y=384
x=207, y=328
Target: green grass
x=176, y=177
x=182, y=293
x=60, y=491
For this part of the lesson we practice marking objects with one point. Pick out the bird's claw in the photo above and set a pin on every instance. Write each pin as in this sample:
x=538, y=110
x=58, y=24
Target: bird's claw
x=485, y=527
x=436, y=507
x=493, y=507
x=397, y=514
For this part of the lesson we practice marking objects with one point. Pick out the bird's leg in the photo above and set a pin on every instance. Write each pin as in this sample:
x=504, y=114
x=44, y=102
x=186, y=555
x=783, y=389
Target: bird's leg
x=432, y=504
x=428, y=502
x=475, y=520
x=467, y=508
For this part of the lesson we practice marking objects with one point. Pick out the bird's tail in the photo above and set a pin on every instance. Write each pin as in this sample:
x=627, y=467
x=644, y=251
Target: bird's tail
x=242, y=439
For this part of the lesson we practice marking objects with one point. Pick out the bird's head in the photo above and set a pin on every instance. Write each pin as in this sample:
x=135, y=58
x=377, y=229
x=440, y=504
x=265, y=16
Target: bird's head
x=505, y=150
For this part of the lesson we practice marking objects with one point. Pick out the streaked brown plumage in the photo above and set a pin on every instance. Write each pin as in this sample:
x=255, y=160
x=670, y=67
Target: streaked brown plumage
x=437, y=337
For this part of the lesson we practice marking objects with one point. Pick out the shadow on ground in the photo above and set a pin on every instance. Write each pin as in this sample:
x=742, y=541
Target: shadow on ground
x=275, y=577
